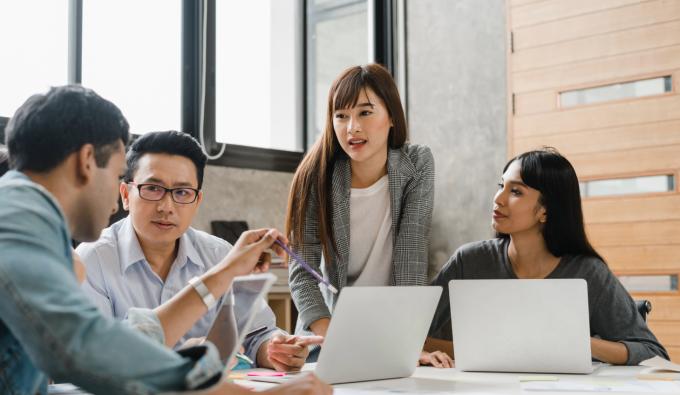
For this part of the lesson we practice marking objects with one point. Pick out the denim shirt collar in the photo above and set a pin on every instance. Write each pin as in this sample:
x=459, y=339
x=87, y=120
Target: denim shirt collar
x=131, y=253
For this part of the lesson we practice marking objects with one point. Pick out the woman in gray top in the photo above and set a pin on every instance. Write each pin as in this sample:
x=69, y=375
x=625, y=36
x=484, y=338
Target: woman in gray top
x=538, y=221
x=360, y=203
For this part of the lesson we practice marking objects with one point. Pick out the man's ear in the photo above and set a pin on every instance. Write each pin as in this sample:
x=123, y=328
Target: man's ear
x=124, y=195
x=199, y=198
x=85, y=164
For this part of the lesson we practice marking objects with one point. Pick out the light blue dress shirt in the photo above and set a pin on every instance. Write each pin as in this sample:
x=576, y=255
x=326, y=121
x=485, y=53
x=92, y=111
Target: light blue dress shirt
x=50, y=328
x=119, y=278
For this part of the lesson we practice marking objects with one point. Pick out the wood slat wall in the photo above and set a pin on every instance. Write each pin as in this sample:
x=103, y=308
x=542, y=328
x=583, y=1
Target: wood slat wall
x=619, y=113
x=633, y=234
x=565, y=45
x=618, y=138
x=657, y=258
x=627, y=17
x=551, y=10
x=661, y=207
x=626, y=163
x=594, y=47
x=599, y=71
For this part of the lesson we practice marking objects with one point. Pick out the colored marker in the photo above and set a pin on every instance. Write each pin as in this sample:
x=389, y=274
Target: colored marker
x=306, y=266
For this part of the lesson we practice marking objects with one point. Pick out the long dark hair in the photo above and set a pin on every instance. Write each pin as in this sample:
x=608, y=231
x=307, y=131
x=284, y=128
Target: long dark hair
x=550, y=173
x=312, y=179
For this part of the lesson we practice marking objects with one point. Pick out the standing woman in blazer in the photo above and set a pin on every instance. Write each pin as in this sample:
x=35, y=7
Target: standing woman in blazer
x=360, y=204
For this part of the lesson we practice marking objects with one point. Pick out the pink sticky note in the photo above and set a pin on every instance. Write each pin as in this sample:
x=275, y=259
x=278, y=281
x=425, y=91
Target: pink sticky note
x=266, y=374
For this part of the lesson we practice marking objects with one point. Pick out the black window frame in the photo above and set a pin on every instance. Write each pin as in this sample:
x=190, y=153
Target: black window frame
x=382, y=31
x=238, y=156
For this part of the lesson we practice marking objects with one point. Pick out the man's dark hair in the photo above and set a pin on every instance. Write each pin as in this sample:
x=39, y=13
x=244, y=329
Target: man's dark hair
x=4, y=160
x=170, y=142
x=49, y=127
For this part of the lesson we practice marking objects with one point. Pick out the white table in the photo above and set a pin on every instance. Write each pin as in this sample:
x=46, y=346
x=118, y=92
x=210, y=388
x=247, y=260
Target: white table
x=430, y=380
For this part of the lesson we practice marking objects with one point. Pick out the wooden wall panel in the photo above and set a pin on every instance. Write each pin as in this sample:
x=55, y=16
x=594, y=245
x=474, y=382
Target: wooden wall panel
x=664, y=308
x=616, y=163
x=535, y=102
x=632, y=209
x=587, y=48
x=648, y=258
x=598, y=71
x=623, y=138
x=565, y=45
x=556, y=9
x=607, y=21
x=620, y=113
x=634, y=234
x=666, y=332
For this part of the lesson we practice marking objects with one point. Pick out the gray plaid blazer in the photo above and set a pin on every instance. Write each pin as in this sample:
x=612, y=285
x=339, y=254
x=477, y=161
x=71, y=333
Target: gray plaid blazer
x=410, y=172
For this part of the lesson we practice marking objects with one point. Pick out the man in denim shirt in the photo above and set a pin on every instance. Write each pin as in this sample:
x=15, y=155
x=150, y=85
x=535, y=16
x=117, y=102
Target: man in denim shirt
x=67, y=147
x=144, y=259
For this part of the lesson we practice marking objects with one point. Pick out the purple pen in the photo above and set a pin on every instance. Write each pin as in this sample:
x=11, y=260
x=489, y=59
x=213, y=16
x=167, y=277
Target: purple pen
x=306, y=266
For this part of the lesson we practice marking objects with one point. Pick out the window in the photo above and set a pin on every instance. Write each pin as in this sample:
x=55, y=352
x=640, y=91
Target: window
x=337, y=38
x=258, y=73
x=131, y=53
x=628, y=186
x=32, y=61
x=624, y=90
x=268, y=64
x=650, y=283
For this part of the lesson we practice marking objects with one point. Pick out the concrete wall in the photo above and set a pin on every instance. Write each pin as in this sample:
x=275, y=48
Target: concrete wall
x=456, y=74
x=256, y=196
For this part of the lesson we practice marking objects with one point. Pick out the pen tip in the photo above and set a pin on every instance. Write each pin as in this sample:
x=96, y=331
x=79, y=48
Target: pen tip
x=333, y=289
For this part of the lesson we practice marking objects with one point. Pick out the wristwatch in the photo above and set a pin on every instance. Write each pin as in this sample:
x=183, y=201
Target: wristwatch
x=203, y=292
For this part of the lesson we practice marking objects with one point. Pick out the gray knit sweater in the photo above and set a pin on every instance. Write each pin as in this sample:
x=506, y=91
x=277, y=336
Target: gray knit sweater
x=613, y=315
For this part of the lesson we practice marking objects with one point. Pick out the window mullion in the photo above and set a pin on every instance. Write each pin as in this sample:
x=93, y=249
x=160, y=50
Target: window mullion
x=75, y=41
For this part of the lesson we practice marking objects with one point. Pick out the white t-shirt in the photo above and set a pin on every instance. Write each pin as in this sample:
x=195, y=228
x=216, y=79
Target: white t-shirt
x=370, y=241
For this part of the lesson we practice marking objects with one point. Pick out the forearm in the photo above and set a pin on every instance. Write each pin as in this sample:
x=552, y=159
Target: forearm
x=320, y=327
x=607, y=351
x=179, y=314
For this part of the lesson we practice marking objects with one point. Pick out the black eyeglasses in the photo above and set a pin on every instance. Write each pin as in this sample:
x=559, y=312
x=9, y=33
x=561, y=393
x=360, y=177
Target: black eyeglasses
x=155, y=193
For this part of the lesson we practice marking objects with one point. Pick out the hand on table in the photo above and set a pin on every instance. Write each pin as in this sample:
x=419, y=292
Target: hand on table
x=289, y=352
x=438, y=359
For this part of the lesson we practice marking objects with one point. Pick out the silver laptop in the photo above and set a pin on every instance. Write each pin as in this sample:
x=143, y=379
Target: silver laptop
x=376, y=333
x=227, y=331
x=538, y=326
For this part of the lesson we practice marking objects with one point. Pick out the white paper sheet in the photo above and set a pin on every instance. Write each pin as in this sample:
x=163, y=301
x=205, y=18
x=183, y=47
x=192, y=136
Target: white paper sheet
x=661, y=364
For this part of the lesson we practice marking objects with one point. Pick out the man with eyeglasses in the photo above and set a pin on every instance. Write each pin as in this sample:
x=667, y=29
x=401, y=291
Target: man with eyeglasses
x=145, y=259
